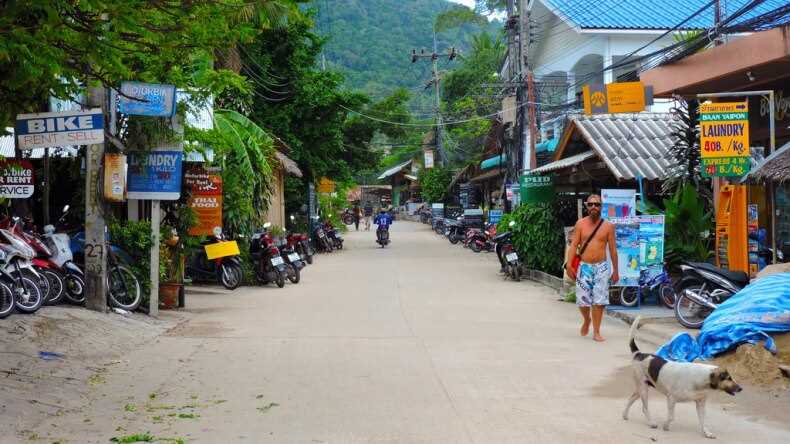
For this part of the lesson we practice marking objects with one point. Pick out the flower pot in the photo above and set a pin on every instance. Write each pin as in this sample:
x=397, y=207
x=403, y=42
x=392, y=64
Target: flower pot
x=168, y=295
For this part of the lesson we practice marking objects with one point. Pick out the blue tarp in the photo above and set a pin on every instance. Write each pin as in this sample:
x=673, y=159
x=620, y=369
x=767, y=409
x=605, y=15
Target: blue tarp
x=760, y=308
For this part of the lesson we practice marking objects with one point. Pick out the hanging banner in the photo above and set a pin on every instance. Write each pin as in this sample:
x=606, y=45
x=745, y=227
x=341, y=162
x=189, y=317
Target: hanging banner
x=537, y=189
x=47, y=130
x=114, y=177
x=205, y=198
x=724, y=139
x=147, y=99
x=17, y=179
x=618, y=203
x=628, y=250
x=154, y=175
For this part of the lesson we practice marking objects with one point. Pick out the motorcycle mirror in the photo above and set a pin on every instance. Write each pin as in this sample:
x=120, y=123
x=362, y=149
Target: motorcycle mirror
x=217, y=231
x=267, y=225
x=512, y=223
x=459, y=218
x=66, y=209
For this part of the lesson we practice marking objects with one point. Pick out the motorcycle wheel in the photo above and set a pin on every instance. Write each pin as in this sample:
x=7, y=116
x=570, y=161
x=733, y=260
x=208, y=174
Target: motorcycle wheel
x=280, y=280
x=328, y=245
x=229, y=276
x=41, y=282
x=629, y=296
x=474, y=246
x=515, y=272
x=293, y=274
x=689, y=313
x=309, y=258
x=666, y=295
x=454, y=239
x=56, y=286
x=6, y=300
x=124, y=288
x=75, y=289
x=31, y=301
x=338, y=245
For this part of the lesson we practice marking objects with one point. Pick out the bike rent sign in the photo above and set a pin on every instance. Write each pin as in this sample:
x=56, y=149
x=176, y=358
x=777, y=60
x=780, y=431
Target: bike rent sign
x=17, y=179
x=724, y=139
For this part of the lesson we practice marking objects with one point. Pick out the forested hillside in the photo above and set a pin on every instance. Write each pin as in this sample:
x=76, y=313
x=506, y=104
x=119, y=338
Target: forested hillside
x=370, y=41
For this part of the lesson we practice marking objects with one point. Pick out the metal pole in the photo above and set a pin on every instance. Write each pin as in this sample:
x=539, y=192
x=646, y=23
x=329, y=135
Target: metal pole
x=439, y=128
x=153, y=300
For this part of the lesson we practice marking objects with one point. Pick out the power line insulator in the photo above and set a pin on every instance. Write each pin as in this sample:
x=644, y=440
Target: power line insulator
x=413, y=55
x=453, y=54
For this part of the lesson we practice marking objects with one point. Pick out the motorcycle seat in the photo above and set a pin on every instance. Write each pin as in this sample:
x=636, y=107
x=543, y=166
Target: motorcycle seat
x=739, y=277
x=501, y=237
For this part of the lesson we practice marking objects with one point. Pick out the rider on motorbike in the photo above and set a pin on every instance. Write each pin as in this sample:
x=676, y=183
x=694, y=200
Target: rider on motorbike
x=383, y=220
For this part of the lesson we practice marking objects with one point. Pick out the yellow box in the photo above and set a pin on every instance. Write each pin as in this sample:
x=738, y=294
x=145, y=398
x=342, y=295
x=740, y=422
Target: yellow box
x=222, y=249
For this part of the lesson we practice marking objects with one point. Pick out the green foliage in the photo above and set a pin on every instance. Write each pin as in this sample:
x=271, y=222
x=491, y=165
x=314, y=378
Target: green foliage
x=434, y=183
x=134, y=237
x=688, y=227
x=504, y=222
x=457, y=16
x=58, y=47
x=685, y=150
x=538, y=237
x=352, y=27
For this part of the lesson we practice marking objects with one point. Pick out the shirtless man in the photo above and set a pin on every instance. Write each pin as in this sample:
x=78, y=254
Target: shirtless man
x=594, y=274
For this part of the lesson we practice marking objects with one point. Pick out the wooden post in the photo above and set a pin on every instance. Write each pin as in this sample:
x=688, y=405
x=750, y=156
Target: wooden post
x=95, y=225
x=153, y=303
x=45, y=189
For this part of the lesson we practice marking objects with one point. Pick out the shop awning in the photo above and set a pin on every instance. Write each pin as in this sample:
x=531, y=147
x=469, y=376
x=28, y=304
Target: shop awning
x=487, y=175
x=492, y=162
x=563, y=163
x=775, y=168
x=289, y=165
x=394, y=170
x=410, y=177
x=631, y=145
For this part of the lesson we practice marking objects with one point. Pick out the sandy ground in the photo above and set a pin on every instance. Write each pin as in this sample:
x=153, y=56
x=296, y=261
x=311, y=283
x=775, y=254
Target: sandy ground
x=421, y=342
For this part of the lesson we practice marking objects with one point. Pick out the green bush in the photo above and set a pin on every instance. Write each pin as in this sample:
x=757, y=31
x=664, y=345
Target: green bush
x=538, y=237
x=434, y=183
x=688, y=227
x=134, y=238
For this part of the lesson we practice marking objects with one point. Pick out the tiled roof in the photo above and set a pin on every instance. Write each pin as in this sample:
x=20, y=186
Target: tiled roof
x=394, y=170
x=563, y=163
x=649, y=14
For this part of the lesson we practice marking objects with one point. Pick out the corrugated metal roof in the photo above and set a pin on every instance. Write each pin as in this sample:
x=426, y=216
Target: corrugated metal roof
x=775, y=167
x=394, y=170
x=631, y=145
x=649, y=14
x=563, y=163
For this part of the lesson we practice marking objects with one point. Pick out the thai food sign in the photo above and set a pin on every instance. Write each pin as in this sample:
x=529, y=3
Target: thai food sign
x=724, y=139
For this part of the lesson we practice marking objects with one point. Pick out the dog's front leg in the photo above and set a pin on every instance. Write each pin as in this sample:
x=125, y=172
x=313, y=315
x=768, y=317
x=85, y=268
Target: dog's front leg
x=701, y=416
x=670, y=412
x=643, y=393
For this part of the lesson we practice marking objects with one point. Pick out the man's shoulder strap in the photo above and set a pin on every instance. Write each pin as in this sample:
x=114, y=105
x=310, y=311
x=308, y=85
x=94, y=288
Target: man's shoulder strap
x=587, y=242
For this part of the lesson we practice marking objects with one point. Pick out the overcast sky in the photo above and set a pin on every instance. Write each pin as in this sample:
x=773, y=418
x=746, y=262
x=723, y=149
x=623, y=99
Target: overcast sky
x=470, y=3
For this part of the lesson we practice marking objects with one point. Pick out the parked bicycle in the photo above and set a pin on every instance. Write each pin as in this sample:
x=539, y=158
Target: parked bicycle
x=659, y=284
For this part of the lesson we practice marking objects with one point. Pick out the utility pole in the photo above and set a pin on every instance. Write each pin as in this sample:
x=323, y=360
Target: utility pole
x=435, y=80
x=530, y=132
x=95, y=225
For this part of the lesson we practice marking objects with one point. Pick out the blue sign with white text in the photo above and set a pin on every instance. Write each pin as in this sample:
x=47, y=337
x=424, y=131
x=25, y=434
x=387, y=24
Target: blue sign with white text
x=152, y=99
x=154, y=175
x=494, y=216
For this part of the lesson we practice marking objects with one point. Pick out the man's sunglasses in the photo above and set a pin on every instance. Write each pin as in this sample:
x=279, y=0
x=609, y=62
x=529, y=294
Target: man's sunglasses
x=593, y=204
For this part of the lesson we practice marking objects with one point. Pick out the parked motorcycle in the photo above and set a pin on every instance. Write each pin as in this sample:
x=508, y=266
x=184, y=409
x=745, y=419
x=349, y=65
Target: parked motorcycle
x=481, y=240
x=225, y=268
x=300, y=242
x=34, y=269
x=322, y=241
x=63, y=259
x=26, y=295
x=702, y=288
x=334, y=235
x=506, y=252
x=268, y=264
x=293, y=262
x=455, y=230
x=347, y=217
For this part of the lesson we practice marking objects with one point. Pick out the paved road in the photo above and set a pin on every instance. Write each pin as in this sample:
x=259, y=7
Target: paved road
x=421, y=342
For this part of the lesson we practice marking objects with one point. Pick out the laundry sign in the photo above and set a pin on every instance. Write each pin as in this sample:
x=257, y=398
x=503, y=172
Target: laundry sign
x=17, y=179
x=154, y=175
x=724, y=139
x=47, y=130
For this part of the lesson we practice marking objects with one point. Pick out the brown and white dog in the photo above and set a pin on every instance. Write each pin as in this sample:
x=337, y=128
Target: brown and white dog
x=679, y=381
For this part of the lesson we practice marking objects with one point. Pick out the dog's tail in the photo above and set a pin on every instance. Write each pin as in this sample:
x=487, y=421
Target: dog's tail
x=632, y=335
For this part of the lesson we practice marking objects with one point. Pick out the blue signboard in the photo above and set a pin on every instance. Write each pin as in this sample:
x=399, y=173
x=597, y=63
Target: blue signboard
x=154, y=175
x=494, y=216
x=154, y=100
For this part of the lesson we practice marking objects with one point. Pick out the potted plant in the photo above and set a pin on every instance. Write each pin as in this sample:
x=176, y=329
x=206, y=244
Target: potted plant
x=172, y=262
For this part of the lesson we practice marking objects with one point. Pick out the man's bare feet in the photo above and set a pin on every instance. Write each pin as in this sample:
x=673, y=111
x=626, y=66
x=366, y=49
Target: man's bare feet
x=585, y=328
x=598, y=337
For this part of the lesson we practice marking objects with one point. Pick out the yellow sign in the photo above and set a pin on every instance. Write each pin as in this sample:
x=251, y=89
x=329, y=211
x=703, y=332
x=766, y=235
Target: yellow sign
x=222, y=249
x=623, y=97
x=326, y=186
x=724, y=138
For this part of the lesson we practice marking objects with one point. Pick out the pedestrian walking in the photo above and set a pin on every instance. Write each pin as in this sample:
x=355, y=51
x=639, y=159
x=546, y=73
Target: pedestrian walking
x=368, y=215
x=589, y=268
x=357, y=216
